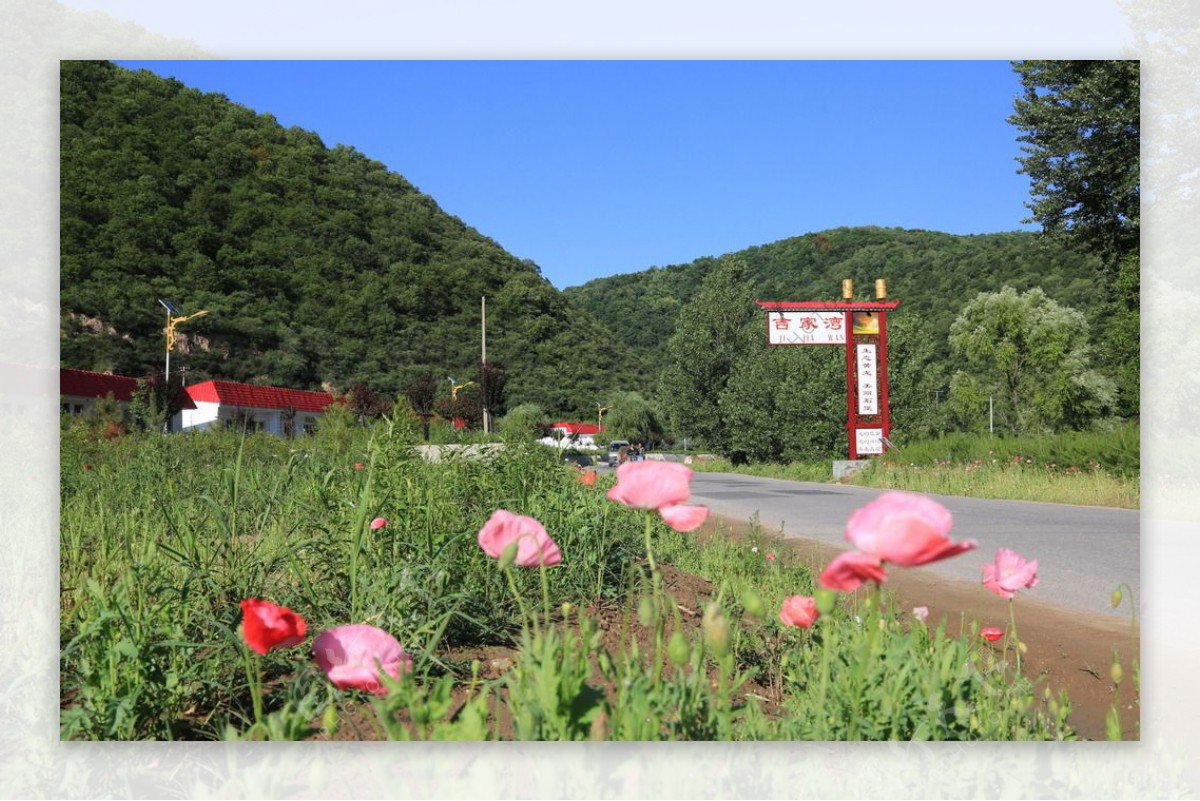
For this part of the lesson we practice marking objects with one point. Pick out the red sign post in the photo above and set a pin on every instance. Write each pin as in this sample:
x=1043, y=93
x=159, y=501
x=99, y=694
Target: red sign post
x=862, y=328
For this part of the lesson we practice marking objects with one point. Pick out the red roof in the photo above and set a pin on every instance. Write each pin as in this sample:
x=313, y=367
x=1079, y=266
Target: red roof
x=236, y=394
x=578, y=428
x=86, y=384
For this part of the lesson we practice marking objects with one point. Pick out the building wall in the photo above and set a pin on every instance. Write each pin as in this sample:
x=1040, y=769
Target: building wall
x=208, y=415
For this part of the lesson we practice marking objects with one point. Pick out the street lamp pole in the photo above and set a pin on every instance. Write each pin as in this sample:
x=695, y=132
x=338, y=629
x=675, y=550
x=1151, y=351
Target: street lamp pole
x=483, y=355
x=600, y=410
x=174, y=318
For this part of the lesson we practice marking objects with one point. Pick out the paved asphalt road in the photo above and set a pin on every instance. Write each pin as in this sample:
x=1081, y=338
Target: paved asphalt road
x=1083, y=552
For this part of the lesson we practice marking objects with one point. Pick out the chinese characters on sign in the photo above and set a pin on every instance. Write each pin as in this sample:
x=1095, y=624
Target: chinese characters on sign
x=806, y=328
x=868, y=440
x=868, y=379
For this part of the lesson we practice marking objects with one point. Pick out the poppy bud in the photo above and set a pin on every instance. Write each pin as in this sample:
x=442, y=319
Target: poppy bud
x=1116, y=598
x=679, y=650
x=646, y=611
x=1115, y=672
x=716, y=630
x=507, y=556
x=1021, y=646
x=825, y=599
x=329, y=721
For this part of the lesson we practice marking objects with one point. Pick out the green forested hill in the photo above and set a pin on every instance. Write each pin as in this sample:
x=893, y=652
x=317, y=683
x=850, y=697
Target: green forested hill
x=932, y=275
x=317, y=264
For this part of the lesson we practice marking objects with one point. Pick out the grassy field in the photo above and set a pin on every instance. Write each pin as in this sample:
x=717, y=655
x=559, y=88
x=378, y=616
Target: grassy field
x=1092, y=469
x=162, y=538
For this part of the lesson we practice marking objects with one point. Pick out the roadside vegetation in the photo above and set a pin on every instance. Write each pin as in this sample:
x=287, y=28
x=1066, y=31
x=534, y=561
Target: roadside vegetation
x=1085, y=468
x=219, y=586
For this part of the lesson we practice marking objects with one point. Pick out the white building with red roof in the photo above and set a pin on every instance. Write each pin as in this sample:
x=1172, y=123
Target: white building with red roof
x=574, y=435
x=268, y=409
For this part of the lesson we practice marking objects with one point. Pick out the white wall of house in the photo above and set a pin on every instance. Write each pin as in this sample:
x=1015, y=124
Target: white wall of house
x=209, y=414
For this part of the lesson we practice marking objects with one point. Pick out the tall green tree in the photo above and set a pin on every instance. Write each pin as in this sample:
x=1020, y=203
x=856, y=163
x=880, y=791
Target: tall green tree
x=632, y=417
x=704, y=350
x=1080, y=123
x=1031, y=358
x=784, y=404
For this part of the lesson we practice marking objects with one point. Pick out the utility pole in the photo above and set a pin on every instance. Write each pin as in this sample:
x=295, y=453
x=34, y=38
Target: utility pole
x=487, y=424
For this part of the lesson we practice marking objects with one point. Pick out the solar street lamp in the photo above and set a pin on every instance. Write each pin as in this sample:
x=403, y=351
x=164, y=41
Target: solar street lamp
x=600, y=410
x=174, y=318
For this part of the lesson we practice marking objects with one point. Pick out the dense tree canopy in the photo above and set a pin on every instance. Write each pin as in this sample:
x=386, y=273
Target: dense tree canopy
x=1030, y=357
x=932, y=274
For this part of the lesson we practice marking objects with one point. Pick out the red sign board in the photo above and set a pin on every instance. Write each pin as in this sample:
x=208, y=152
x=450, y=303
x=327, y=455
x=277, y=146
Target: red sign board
x=862, y=329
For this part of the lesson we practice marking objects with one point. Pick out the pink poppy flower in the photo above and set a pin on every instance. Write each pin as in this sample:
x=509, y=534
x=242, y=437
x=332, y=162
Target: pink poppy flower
x=991, y=633
x=266, y=625
x=651, y=485
x=662, y=486
x=800, y=611
x=354, y=657
x=1009, y=573
x=921, y=613
x=848, y=571
x=534, y=546
x=682, y=517
x=906, y=529
x=771, y=556
x=378, y=523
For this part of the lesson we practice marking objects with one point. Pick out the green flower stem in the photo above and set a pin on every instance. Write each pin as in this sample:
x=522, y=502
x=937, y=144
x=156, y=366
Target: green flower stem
x=872, y=623
x=254, y=682
x=1012, y=622
x=659, y=606
x=545, y=593
x=525, y=616
x=826, y=635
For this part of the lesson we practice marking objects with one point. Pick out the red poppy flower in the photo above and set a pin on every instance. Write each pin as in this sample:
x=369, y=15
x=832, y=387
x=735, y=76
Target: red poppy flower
x=266, y=625
x=358, y=465
x=800, y=611
x=87, y=466
x=588, y=478
x=378, y=523
x=991, y=633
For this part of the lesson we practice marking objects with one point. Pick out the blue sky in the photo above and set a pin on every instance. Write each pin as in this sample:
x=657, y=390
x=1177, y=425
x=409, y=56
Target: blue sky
x=593, y=168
